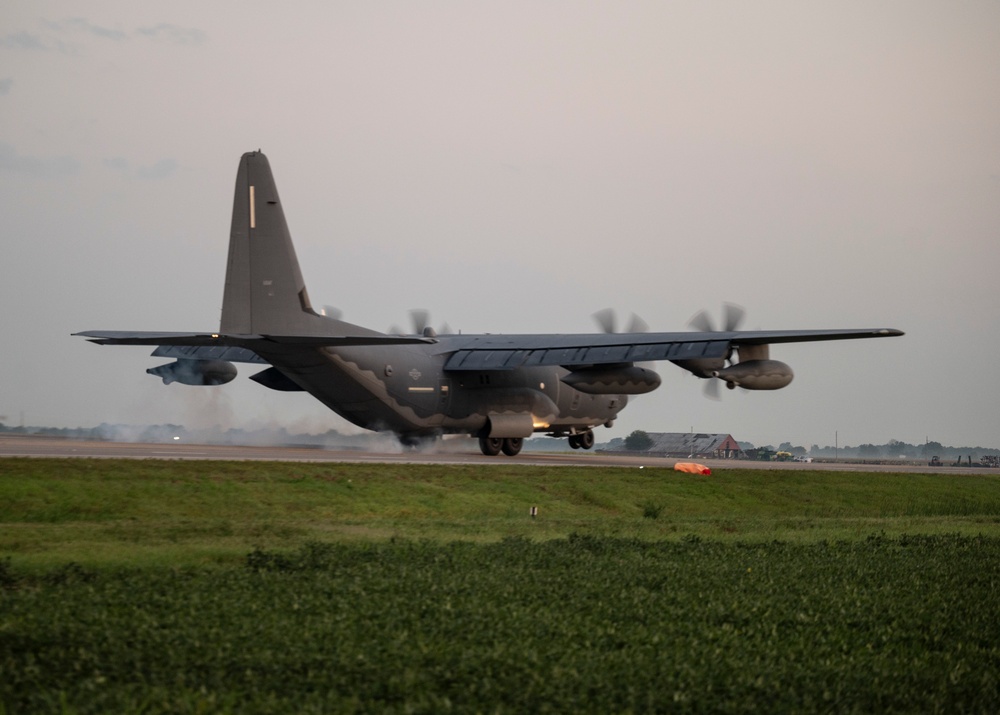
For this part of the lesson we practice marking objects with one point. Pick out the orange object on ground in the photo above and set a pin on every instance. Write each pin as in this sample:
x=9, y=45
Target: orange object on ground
x=692, y=468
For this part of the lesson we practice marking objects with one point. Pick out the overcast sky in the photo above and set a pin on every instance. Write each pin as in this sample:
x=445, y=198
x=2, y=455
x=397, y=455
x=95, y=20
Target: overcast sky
x=515, y=167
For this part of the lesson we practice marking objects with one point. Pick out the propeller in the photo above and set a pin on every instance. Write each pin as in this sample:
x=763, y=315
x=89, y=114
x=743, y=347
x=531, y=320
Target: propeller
x=711, y=389
x=607, y=321
x=420, y=321
x=732, y=316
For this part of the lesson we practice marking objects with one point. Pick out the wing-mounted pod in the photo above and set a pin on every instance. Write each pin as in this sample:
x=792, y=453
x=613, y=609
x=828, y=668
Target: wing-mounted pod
x=195, y=372
x=755, y=370
x=624, y=380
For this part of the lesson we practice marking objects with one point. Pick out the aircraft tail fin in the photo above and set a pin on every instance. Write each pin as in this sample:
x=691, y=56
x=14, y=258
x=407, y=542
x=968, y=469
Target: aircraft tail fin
x=264, y=292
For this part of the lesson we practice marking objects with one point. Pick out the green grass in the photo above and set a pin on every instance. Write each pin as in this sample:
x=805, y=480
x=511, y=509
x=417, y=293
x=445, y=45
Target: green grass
x=191, y=587
x=127, y=512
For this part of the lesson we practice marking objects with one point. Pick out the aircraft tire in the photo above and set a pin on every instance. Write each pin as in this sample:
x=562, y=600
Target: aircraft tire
x=512, y=446
x=574, y=441
x=490, y=446
x=586, y=439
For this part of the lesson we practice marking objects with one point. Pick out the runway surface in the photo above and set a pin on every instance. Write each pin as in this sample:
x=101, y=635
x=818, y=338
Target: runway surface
x=36, y=446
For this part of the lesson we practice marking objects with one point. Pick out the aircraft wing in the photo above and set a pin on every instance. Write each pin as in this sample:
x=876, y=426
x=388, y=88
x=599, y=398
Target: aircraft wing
x=122, y=337
x=209, y=352
x=507, y=352
x=231, y=348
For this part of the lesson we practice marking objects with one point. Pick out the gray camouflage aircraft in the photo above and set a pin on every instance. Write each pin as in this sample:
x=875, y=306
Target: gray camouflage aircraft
x=499, y=388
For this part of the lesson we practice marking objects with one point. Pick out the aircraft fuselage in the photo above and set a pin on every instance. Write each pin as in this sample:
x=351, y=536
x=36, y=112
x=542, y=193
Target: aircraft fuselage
x=405, y=389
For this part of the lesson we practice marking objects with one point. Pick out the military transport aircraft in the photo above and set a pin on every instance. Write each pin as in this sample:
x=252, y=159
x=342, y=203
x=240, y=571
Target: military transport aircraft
x=499, y=388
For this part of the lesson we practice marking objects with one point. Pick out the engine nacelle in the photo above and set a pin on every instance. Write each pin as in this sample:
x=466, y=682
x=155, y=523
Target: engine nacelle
x=195, y=372
x=630, y=380
x=757, y=375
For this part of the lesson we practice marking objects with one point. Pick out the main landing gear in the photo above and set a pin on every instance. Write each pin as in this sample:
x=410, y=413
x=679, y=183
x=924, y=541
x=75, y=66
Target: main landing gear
x=582, y=440
x=492, y=446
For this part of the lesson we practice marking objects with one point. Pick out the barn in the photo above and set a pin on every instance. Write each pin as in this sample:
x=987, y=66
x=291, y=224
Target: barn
x=691, y=444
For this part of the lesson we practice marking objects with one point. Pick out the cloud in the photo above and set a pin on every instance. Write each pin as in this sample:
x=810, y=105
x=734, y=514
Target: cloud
x=82, y=25
x=75, y=26
x=155, y=171
x=174, y=34
x=160, y=170
x=5, y=85
x=22, y=41
x=117, y=163
x=42, y=167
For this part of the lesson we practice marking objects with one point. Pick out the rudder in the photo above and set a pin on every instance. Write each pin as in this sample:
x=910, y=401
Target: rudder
x=264, y=292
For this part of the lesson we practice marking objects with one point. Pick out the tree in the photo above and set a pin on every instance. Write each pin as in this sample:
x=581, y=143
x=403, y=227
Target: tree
x=932, y=448
x=638, y=441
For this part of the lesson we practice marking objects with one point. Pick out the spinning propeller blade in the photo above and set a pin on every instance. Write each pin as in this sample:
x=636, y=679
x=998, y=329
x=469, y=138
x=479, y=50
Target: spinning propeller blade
x=607, y=321
x=732, y=316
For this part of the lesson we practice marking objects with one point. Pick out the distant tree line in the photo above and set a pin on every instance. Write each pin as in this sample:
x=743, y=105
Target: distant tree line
x=893, y=449
x=637, y=441
x=169, y=433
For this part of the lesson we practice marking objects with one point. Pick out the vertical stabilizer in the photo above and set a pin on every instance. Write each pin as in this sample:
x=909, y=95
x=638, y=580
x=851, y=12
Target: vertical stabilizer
x=265, y=293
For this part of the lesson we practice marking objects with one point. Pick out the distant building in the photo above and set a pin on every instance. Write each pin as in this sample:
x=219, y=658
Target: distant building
x=689, y=444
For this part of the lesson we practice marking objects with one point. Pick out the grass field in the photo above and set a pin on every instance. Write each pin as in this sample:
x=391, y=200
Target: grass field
x=126, y=512
x=144, y=586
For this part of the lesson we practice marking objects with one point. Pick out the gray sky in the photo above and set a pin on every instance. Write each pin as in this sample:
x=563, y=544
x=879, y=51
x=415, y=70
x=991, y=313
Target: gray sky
x=515, y=167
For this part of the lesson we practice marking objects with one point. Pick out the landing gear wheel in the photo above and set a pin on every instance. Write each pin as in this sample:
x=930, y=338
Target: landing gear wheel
x=582, y=440
x=490, y=446
x=512, y=445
